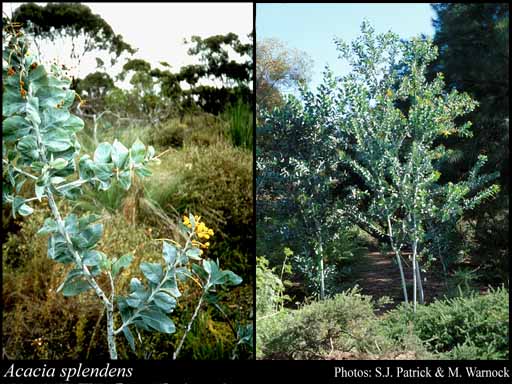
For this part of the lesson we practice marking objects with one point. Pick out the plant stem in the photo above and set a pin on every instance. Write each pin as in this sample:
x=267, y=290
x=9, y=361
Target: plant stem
x=420, y=284
x=321, y=260
x=414, y=269
x=19, y=170
x=157, y=289
x=72, y=184
x=414, y=275
x=99, y=292
x=189, y=326
x=62, y=229
x=110, y=321
x=398, y=259
x=322, y=277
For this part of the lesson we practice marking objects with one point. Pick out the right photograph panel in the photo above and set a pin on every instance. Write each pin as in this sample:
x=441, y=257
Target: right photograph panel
x=382, y=181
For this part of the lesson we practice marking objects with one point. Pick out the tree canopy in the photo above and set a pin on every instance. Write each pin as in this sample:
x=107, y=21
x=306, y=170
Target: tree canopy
x=76, y=21
x=473, y=40
x=278, y=68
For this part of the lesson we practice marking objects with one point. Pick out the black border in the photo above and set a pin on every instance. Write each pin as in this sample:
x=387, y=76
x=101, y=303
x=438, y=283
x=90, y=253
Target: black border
x=262, y=371
x=254, y=169
x=164, y=371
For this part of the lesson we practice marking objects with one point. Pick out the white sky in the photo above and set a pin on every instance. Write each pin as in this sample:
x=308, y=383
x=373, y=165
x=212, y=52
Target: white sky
x=157, y=30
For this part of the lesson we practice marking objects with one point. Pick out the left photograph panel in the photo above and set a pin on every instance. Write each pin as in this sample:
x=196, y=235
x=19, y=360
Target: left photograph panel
x=127, y=181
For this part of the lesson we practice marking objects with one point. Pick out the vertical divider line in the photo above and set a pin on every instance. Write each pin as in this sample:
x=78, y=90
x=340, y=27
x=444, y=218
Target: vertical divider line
x=254, y=169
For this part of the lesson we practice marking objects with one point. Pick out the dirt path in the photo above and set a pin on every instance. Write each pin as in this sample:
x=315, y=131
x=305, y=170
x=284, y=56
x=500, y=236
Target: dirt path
x=378, y=276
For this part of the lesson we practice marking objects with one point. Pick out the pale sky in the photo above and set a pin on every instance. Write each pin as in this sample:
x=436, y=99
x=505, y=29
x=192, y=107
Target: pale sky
x=157, y=30
x=312, y=27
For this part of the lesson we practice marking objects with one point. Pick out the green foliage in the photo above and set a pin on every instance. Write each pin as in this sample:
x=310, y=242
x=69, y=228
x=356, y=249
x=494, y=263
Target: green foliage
x=345, y=322
x=54, y=21
x=471, y=327
x=32, y=308
x=389, y=118
x=239, y=117
x=214, y=54
x=296, y=165
x=72, y=327
x=486, y=78
x=45, y=152
x=216, y=183
x=341, y=251
x=269, y=289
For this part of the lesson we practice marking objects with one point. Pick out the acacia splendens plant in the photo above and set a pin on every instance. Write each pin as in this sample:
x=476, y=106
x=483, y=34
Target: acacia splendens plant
x=390, y=120
x=296, y=162
x=40, y=150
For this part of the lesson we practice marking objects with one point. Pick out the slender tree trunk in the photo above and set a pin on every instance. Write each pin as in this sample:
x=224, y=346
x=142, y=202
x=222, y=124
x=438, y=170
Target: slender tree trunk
x=414, y=272
x=322, y=273
x=398, y=259
x=420, y=284
x=320, y=256
x=402, y=275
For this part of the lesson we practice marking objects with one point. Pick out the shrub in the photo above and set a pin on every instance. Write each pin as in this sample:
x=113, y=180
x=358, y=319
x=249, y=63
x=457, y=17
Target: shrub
x=472, y=327
x=240, y=124
x=193, y=129
x=170, y=134
x=40, y=145
x=269, y=288
x=345, y=322
x=215, y=182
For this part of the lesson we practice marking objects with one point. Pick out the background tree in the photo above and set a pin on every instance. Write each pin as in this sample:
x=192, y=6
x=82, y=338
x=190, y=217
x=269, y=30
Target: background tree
x=224, y=59
x=296, y=165
x=86, y=31
x=479, y=32
x=94, y=87
x=279, y=68
x=156, y=91
x=214, y=53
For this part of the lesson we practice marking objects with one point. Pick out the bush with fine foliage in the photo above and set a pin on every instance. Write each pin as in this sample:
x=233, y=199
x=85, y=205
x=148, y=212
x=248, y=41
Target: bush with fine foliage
x=464, y=328
x=470, y=328
x=214, y=182
x=344, y=323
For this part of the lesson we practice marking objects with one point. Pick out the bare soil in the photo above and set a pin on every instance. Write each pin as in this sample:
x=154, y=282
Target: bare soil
x=379, y=276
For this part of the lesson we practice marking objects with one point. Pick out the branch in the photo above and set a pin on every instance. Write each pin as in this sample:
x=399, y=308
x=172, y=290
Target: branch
x=19, y=170
x=189, y=326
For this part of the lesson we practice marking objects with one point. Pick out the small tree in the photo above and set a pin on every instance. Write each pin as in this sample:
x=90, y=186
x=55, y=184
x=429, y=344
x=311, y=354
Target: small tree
x=296, y=163
x=278, y=68
x=390, y=122
x=73, y=27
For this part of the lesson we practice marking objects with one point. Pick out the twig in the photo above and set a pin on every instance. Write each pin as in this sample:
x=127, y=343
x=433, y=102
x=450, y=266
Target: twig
x=189, y=326
x=163, y=153
x=100, y=317
x=19, y=170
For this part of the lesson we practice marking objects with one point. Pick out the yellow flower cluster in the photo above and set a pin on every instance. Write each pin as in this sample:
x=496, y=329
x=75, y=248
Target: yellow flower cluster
x=446, y=132
x=201, y=230
x=38, y=342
